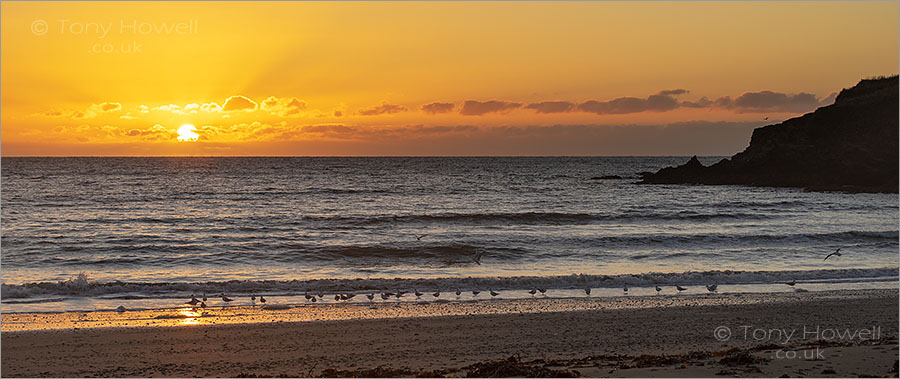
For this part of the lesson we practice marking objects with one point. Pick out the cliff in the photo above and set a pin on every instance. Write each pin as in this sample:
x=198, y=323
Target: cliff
x=851, y=145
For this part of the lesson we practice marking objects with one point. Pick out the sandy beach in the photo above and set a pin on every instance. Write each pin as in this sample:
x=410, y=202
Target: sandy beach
x=829, y=333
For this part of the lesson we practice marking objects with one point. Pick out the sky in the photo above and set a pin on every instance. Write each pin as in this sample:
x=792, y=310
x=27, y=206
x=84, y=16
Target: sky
x=424, y=78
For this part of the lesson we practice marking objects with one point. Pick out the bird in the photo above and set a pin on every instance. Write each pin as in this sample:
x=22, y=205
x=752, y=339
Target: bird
x=193, y=301
x=418, y=294
x=712, y=287
x=419, y=238
x=337, y=297
x=587, y=291
x=253, y=298
x=458, y=292
x=385, y=296
x=307, y=295
x=543, y=291
x=835, y=253
x=477, y=257
x=226, y=298
x=204, y=297
x=400, y=293
x=320, y=295
x=475, y=293
x=436, y=294
x=532, y=292
x=792, y=283
x=314, y=300
x=494, y=293
x=680, y=288
x=344, y=297
x=767, y=117
x=371, y=297
x=350, y=295
x=658, y=290
x=625, y=289
x=203, y=304
x=262, y=299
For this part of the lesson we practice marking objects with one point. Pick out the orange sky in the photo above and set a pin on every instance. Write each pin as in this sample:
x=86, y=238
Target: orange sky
x=424, y=78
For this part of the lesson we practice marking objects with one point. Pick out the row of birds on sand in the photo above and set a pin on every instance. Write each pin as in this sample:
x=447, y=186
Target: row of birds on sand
x=194, y=302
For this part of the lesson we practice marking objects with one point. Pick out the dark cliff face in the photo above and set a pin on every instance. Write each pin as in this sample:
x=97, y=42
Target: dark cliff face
x=851, y=145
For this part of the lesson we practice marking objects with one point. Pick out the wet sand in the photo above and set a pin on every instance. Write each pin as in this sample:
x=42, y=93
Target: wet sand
x=857, y=335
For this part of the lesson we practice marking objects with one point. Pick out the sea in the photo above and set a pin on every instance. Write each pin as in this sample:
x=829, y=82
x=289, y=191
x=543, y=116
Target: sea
x=88, y=234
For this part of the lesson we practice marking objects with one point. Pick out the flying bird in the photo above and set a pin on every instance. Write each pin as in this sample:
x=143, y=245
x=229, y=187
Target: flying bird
x=835, y=253
x=477, y=257
x=419, y=238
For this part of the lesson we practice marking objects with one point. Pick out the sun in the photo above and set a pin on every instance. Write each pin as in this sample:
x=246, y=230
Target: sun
x=187, y=133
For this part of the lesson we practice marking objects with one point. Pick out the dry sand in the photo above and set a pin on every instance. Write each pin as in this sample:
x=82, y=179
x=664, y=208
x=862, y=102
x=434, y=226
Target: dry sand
x=857, y=335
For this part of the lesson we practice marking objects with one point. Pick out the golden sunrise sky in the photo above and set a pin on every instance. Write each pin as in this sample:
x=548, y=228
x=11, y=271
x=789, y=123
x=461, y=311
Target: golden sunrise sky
x=425, y=78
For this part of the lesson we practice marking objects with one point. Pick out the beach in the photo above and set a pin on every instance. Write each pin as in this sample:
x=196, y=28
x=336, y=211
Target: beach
x=841, y=333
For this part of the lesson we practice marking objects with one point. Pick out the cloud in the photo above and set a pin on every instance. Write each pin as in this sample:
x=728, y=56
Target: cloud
x=144, y=108
x=384, y=108
x=624, y=105
x=478, y=108
x=673, y=92
x=768, y=101
x=435, y=108
x=239, y=103
x=552, y=106
x=288, y=106
x=211, y=107
x=96, y=109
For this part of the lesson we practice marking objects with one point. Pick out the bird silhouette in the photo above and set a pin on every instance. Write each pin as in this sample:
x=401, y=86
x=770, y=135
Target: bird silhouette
x=477, y=257
x=587, y=291
x=419, y=238
x=494, y=293
x=532, y=292
x=712, y=287
x=680, y=288
x=658, y=289
x=835, y=253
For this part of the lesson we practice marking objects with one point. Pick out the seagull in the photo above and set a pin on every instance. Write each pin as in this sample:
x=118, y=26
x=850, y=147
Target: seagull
x=385, y=296
x=712, y=287
x=253, y=298
x=204, y=296
x=337, y=297
x=226, y=299
x=587, y=291
x=543, y=291
x=532, y=292
x=475, y=293
x=437, y=294
x=371, y=297
x=320, y=295
x=419, y=238
x=680, y=288
x=193, y=301
x=477, y=257
x=313, y=300
x=658, y=289
x=418, y=294
x=203, y=304
x=400, y=293
x=494, y=293
x=262, y=299
x=835, y=253
x=792, y=283
x=625, y=289
x=307, y=296
x=458, y=292
x=350, y=296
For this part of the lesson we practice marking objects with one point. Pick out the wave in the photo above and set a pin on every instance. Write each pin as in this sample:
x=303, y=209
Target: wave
x=82, y=286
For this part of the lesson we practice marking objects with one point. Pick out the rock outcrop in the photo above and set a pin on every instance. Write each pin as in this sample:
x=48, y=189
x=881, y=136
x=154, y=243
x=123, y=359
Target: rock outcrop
x=851, y=145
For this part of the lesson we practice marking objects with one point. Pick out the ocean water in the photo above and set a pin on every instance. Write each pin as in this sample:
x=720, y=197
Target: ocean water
x=147, y=232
